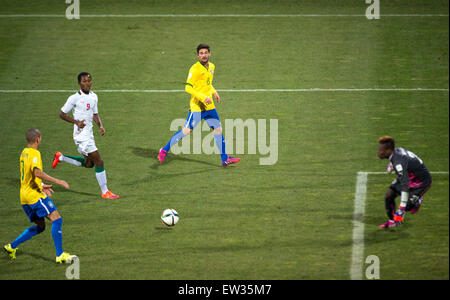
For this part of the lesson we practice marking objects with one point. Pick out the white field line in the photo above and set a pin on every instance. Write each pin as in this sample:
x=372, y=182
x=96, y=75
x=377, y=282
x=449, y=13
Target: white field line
x=356, y=267
x=247, y=90
x=358, y=226
x=217, y=15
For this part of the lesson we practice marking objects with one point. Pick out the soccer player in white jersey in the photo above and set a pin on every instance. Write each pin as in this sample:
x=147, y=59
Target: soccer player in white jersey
x=84, y=107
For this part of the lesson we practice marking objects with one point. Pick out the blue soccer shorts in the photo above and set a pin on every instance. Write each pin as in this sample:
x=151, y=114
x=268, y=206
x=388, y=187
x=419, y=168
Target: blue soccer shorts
x=40, y=209
x=210, y=116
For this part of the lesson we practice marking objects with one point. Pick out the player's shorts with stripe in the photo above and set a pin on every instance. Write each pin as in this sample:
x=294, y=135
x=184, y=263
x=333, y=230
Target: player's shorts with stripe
x=210, y=116
x=40, y=209
x=85, y=147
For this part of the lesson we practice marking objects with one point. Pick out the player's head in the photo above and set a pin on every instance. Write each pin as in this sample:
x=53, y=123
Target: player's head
x=203, y=53
x=386, y=145
x=33, y=136
x=85, y=82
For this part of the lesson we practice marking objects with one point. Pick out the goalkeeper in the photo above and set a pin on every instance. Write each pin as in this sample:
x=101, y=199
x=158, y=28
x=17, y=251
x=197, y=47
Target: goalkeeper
x=412, y=183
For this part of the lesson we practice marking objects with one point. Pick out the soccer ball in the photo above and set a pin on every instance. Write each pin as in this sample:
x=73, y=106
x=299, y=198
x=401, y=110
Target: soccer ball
x=169, y=217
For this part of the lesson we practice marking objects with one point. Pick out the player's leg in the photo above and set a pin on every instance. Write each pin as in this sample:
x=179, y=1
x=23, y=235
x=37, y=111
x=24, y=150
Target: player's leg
x=193, y=119
x=100, y=173
x=178, y=136
x=28, y=233
x=55, y=218
x=389, y=203
x=212, y=118
x=78, y=161
x=416, y=198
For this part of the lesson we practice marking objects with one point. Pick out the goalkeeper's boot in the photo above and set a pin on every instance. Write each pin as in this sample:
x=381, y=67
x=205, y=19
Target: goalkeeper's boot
x=11, y=251
x=389, y=224
x=230, y=161
x=417, y=207
x=162, y=155
x=65, y=258
x=56, y=160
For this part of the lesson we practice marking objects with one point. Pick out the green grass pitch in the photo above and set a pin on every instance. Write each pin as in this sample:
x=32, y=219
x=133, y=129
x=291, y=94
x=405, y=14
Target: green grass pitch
x=290, y=220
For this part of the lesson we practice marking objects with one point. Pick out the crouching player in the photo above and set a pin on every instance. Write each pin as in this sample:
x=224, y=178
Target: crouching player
x=413, y=180
x=35, y=201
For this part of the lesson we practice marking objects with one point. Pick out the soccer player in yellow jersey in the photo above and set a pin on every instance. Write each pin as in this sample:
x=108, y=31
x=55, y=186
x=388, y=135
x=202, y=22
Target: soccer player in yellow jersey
x=34, y=197
x=199, y=86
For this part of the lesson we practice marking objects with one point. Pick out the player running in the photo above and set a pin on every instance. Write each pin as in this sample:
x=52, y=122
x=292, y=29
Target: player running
x=199, y=86
x=84, y=106
x=412, y=183
x=34, y=197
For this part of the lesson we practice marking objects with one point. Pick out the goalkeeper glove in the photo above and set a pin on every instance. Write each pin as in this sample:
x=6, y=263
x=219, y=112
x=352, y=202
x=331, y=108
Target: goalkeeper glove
x=389, y=169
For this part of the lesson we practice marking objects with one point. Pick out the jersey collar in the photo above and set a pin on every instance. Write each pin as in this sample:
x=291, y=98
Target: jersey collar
x=207, y=68
x=80, y=92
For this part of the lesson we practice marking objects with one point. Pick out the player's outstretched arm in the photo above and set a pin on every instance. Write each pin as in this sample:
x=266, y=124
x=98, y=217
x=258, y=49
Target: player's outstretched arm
x=42, y=175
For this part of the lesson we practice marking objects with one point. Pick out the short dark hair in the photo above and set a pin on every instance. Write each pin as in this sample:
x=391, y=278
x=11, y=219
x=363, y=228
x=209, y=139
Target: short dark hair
x=387, y=141
x=32, y=134
x=83, y=74
x=203, y=46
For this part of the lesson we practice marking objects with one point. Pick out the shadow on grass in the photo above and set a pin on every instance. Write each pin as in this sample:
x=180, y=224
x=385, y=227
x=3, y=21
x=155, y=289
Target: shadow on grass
x=62, y=190
x=153, y=154
x=36, y=256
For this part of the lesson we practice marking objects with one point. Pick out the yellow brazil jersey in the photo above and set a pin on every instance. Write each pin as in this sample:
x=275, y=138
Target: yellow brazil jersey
x=30, y=186
x=199, y=85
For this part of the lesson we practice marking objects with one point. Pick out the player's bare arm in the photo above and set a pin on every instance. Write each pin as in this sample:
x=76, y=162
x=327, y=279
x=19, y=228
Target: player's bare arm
x=42, y=175
x=216, y=95
x=97, y=121
x=69, y=119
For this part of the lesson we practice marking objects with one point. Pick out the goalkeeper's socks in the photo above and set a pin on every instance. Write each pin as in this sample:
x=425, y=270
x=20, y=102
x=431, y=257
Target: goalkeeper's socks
x=73, y=160
x=100, y=173
x=175, y=139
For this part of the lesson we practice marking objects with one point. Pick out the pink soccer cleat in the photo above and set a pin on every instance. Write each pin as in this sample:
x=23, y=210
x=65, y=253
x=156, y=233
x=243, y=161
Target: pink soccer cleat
x=389, y=224
x=230, y=161
x=162, y=155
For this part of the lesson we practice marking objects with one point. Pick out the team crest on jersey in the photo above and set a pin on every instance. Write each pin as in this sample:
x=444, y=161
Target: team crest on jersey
x=212, y=72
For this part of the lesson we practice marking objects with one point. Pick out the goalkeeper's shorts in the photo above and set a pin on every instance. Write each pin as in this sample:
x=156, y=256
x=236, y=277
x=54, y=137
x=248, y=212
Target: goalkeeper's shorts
x=415, y=193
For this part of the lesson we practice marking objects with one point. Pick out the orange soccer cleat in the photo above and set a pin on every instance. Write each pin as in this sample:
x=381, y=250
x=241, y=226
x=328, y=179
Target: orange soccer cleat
x=56, y=160
x=109, y=195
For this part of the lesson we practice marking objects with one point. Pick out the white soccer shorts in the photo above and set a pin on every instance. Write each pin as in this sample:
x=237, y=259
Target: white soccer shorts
x=85, y=147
